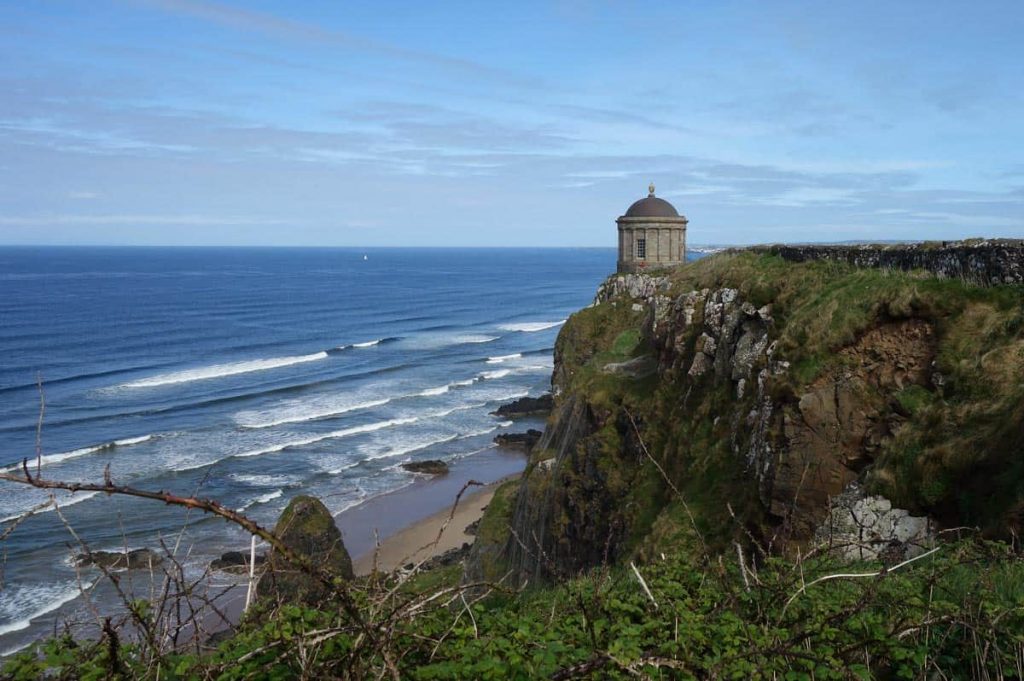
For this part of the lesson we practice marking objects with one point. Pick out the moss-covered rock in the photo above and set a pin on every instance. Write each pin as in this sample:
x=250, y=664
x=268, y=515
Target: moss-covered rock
x=307, y=528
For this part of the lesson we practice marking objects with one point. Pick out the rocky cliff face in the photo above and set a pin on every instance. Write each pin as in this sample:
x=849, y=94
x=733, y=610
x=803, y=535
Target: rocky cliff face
x=780, y=401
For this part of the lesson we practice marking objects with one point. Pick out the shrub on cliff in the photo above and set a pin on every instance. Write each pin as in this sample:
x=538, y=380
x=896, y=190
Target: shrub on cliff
x=957, y=613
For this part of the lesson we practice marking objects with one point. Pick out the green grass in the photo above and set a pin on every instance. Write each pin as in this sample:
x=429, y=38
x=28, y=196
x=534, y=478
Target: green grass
x=914, y=398
x=626, y=343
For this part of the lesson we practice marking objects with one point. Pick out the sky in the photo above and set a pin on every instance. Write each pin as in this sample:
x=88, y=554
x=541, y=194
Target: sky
x=329, y=123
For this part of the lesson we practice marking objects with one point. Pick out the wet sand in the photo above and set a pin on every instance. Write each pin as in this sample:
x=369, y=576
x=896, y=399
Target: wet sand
x=425, y=539
x=413, y=510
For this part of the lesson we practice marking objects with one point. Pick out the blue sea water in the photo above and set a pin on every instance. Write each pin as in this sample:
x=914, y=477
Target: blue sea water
x=250, y=376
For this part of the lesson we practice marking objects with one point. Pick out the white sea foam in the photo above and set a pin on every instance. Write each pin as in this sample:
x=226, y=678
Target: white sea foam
x=355, y=430
x=412, y=447
x=351, y=503
x=530, y=327
x=492, y=375
x=222, y=370
x=74, y=498
x=475, y=339
x=35, y=600
x=367, y=344
x=441, y=390
x=74, y=454
x=258, y=480
x=452, y=410
x=423, y=444
x=270, y=496
x=16, y=649
x=242, y=418
x=503, y=358
x=129, y=441
x=532, y=369
x=433, y=341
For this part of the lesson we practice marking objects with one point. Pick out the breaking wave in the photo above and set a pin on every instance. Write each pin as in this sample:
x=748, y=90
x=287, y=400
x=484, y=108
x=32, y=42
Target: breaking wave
x=355, y=430
x=261, y=480
x=62, y=504
x=365, y=344
x=35, y=600
x=75, y=453
x=270, y=496
x=309, y=416
x=530, y=327
x=503, y=358
x=417, y=446
x=223, y=370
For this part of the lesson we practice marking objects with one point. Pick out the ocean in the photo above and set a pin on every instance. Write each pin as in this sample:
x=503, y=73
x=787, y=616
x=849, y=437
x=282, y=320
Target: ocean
x=250, y=376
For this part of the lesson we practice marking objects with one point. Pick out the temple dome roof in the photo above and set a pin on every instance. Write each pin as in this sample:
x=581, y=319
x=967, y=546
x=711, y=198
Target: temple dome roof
x=651, y=207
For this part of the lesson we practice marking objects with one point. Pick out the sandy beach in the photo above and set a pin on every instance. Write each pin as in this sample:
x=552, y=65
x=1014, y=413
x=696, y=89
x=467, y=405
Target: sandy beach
x=406, y=520
x=420, y=541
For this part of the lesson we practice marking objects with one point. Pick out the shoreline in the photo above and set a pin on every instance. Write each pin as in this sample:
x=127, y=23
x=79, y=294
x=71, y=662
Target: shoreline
x=378, y=519
x=405, y=520
x=429, y=537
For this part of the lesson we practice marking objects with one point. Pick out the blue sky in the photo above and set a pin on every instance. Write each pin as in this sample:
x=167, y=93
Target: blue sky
x=189, y=122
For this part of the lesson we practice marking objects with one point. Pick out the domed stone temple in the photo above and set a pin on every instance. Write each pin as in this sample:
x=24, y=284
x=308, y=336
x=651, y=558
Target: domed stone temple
x=652, y=234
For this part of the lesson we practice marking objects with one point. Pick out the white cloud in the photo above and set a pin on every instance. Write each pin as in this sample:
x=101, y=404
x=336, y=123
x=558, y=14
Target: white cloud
x=804, y=196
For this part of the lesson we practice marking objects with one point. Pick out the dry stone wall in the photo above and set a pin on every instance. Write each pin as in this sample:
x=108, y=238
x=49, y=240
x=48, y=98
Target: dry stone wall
x=985, y=262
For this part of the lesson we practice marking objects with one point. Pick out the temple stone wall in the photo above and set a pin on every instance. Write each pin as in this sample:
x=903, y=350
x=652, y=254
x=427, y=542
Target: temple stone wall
x=665, y=243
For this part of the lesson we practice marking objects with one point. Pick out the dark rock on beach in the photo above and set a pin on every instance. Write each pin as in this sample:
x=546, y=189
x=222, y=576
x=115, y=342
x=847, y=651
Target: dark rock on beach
x=526, y=406
x=307, y=528
x=136, y=559
x=525, y=441
x=449, y=557
x=431, y=467
x=236, y=562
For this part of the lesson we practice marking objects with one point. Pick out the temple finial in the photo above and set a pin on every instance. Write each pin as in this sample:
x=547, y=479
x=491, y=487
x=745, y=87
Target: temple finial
x=650, y=189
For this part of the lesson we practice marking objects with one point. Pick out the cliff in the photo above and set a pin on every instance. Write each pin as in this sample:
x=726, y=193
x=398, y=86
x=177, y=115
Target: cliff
x=769, y=396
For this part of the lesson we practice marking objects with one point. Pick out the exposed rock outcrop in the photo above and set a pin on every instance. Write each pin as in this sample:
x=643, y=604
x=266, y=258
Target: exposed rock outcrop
x=136, y=559
x=567, y=514
x=236, y=562
x=860, y=526
x=444, y=559
x=307, y=528
x=525, y=406
x=428, y=467
x=525, y=441
x=632, y=285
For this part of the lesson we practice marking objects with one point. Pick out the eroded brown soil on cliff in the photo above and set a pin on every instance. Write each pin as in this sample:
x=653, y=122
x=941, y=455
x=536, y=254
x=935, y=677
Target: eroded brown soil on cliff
x=844, y=418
